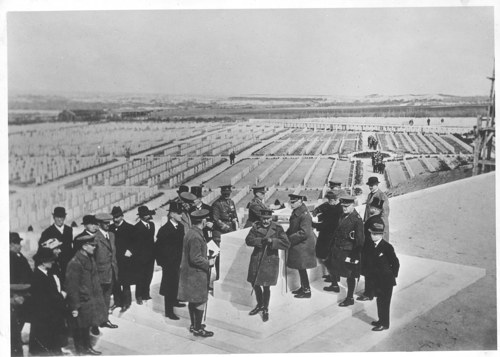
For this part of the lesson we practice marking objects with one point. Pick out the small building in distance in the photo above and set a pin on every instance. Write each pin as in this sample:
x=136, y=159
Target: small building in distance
x=82, y=115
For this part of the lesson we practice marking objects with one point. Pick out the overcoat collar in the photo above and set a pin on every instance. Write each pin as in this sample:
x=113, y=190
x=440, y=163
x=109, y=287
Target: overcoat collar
x=299, y=210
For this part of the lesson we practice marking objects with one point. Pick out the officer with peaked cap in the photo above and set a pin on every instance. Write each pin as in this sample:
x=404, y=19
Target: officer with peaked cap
x=63, y=233
x=256, y=205
x=348, y=240
x=301, y=254
x=18, y=293
x=144, y=232
x=375, y=191
x=125, y=243
x=85, y=298
x=384, y=265
x=266, y=237
x=195, y=273
x=225, y=218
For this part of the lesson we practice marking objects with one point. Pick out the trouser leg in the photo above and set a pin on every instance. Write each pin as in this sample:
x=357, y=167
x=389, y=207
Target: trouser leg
x=106, y=292
x=117, y=294
x=368, y=287
x=304, y=279
x=384, y=305
x=258, y=294
x=266, y=297
x=351, y=284
x=127, y=295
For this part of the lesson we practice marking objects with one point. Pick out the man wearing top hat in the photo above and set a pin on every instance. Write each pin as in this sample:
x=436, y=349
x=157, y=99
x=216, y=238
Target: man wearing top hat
x=168, y=251
x=376, y=192
x=348, y=240
x=199, y=205
x=85, y=298
x=61, y=232
x=105, y=258
x=195, y=273
x=225, y=218
x=48, y=329
x=18, y=293
x=256, y=205
x=301, y=254
x=266, y=237
x=125, y=258
x=144, y=233
x=20, y=269
x=384, y=265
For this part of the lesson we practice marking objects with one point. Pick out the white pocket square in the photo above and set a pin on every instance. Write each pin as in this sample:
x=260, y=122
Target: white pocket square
x=381, y=254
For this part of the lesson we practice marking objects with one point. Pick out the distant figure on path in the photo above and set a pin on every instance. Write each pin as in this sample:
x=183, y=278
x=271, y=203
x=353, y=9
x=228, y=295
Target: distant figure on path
x=232, y=156
x=428, y=121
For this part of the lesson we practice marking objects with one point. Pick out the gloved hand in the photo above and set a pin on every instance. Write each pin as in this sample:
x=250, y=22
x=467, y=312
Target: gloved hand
x=268, y=242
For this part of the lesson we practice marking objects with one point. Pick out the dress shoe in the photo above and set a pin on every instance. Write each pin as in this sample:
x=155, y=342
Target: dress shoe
x=364, y=298
x=191, y=328
x=347, y=302
x=95, y=330
x=380, y=328
x=256, y=310
x=326, y=276
x=203, y=333
x=265, y=315
x=171, y=316
x=108, y=324
x=376, y=323
x=334, y=288
x=139, y=301
x=179, y=304
x=298, y=291
x=91, y=351
x=305, y=294
x=124, y=308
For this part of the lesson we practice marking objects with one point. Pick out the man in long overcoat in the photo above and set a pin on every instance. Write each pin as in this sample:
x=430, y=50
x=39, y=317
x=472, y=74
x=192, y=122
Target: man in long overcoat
x=195, y=273
x=144, y=233
x=85, y=299
x=256, y=205
x=48, y=307
x=62, y=233
x=168, y=250
x=105, y=258
x=348, y=240
x=384, y=264
x=125, y=258
x=376, y=192
x=266, y=237
x=301, y=254
x=20, y=269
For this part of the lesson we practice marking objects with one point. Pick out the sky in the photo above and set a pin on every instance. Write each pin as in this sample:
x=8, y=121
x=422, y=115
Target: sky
x=350, y=51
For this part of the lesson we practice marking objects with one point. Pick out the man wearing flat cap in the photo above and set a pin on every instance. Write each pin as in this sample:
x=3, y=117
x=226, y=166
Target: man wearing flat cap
x=301, y=254
x=373, y=183
x=256, y=205
x=125, y=258
x=144, y=232
x=328, y=214
x=225, y=218
x=62, y=233
x=195, y=273
x=105, y=258
x=348, y=240
x=266, y=237
x=384, y=265
x=85, y=298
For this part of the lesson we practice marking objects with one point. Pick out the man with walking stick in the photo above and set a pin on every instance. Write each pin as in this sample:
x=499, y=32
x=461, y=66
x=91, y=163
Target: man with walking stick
x=194, y=273
x=266, y=237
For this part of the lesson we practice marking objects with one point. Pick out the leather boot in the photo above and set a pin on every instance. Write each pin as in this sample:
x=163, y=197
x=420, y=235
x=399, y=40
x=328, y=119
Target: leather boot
x=198, y=329
x=305, y=294
x=258, y=295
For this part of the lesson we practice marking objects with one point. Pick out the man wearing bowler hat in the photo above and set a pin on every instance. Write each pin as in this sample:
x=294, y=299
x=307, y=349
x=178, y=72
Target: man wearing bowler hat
x=302, y=242
x=256, y=205
x=375, y=191
x=182, y=188
x=125, y=258
x=105, y=258
x=144, y=232
x=61, y=232
x=20, y=269
x=348, y=240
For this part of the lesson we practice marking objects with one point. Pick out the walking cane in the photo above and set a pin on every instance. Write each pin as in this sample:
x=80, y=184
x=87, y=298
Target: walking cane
x=258, y=269
x=286, y=272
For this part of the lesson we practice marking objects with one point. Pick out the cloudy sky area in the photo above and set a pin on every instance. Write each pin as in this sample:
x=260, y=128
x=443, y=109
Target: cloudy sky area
x=260, y=51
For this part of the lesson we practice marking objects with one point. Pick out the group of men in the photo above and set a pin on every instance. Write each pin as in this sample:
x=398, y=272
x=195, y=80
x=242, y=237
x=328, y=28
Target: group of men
x=378, y=162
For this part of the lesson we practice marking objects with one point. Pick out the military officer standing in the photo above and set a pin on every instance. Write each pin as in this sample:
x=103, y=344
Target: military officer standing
x=225, y=218
x=373, y=183
x=199, y=205
x=266, y=237
x=256, y=205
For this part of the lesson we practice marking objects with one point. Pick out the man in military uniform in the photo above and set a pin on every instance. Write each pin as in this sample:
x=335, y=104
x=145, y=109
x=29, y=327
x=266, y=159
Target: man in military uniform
x=62, y=233
x=266, y=237
x=348, y=241
x=225, y=218
x=256, y=205
x=373, y=183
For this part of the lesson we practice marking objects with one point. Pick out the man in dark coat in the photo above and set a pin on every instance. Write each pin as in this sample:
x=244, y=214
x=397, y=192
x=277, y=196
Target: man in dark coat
x=266, y=237
x=168, y=250
x=301, y=255
x=199, y=205
x=63, y=233
x=54, y=245
x=125, y=258
x=256, y=205
x=384, y=264
x=105, y=258
x=375, y=192
x=225, y=218
x=186, y=202
x=48, y=324
x=85, y=298
x=91, y=226
x=195, y=273
x=18, y=294
x=144, y=233
x=348, y=241
x=20, y=269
